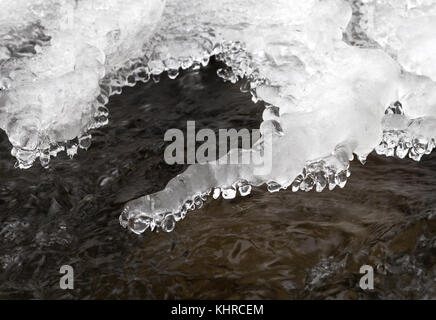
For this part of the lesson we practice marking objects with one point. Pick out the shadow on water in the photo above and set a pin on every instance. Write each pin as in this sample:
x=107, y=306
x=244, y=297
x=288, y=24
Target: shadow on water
x=279, y=246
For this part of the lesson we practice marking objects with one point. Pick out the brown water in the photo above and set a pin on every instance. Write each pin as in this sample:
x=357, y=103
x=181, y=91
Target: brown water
x=277, y=246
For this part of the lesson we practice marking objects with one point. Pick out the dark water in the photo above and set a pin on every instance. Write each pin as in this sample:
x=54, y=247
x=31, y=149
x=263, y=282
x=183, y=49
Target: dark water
x=278, y=246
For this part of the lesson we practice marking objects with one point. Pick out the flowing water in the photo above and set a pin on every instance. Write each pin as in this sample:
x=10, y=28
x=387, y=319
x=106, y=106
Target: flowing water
x=281, y=245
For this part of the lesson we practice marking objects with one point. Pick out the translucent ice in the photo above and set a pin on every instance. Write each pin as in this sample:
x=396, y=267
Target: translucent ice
x=405, y=29
x=329, y=92
x=53, y=55
x=339, y=78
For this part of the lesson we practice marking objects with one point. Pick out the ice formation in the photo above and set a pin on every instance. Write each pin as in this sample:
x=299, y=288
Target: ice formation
x=59, y=62
x=339, y=79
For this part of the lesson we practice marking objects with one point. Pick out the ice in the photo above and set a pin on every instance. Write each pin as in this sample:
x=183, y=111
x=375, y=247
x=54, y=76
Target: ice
x=405, y=29
x=339, y=79
x=54, y=53
x=327, y=94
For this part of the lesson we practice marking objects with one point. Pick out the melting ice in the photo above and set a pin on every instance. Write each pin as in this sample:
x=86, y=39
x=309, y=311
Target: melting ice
x=339, y=79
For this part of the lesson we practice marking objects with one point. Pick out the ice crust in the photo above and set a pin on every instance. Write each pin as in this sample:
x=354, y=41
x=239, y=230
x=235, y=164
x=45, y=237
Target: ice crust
x=339, y=79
